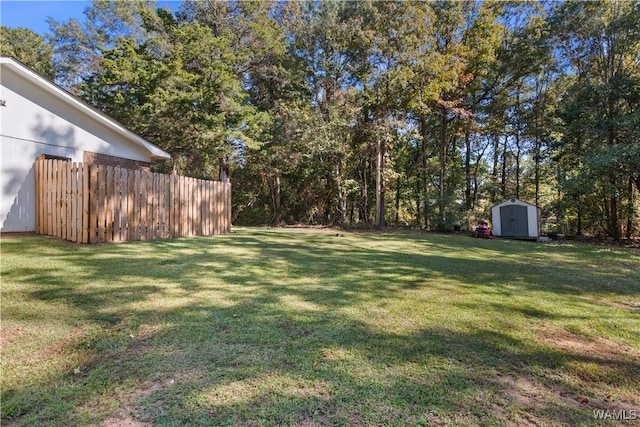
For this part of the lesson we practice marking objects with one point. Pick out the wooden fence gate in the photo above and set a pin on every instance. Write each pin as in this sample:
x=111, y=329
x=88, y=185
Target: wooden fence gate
x=97, y=203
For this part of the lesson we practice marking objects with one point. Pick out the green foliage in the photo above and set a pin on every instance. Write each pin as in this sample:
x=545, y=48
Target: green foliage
x=366, y=113
x=600, y=113
x=29, y=48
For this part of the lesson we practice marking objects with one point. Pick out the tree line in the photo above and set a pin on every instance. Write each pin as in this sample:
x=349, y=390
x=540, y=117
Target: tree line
x=373, y=113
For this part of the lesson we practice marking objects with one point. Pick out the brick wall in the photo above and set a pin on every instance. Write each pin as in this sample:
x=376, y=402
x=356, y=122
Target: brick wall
x=107, y=160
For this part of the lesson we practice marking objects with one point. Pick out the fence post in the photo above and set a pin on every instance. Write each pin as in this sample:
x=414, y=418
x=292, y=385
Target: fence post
x=37, y=193
x=62, y=211
x=198, y=207
x=225, y=204
x=216, y=207
x=62, y=197
x=93, y=203
x=85, y=203
x=207, y=206
x=184, y=202
x=228, y=199
x=108, y=217
x=116, y=204
x=47, y=201
x=124, y=199
x=150, y=213
x=58, y=198
x=135, y=223
x=172, y=206
x=38, y=198
x=155, y=203
x=73, y=175
x=66, y=184
x=167, y=206
x=131, y=188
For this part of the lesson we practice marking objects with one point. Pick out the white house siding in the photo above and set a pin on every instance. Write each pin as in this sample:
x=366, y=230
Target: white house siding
x=42, y=119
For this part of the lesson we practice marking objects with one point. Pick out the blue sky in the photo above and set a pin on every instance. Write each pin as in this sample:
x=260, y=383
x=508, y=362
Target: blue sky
x=34, y=14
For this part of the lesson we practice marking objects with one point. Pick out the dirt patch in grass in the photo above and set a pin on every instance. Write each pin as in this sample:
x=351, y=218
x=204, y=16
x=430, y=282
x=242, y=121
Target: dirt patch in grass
x=529, y=400
x=595, y=348
x=125, y=416
x=626, y=305
x=69, y=341
x=523, y=400
x=124, y=421
x=602, y=365
x=9, y=334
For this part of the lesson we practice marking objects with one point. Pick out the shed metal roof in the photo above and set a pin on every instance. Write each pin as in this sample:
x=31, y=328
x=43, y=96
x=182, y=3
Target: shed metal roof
x=514, y=200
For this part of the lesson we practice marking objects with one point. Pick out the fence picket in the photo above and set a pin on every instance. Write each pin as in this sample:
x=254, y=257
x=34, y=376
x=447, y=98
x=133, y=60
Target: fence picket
x=156, y=208
x=137, y=213
x=167, y=206
x=38, y=199
x=131, y=186
x=123, y=204
x=117, y=202
x=85, y=203
x=67, y=201
x=58, y=200
x=73, y=200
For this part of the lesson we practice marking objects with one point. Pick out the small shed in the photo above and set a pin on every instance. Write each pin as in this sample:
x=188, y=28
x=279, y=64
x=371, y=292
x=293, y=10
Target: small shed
x=516, y=219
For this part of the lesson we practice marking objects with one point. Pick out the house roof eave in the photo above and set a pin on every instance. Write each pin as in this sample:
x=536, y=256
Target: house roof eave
x=53, y=89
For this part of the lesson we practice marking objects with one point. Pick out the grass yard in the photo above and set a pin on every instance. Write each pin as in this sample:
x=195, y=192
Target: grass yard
x=297, y=327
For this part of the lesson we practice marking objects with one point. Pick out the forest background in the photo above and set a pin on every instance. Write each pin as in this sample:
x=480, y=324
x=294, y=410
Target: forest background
x=418, y=114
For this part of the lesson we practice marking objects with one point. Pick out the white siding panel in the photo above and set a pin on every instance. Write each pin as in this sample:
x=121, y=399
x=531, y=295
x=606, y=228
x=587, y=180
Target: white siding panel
x=32, y=114
x=17, y=201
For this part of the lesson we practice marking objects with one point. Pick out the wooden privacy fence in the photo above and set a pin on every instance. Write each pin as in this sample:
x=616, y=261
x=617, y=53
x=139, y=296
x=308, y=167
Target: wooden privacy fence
x=97, y=203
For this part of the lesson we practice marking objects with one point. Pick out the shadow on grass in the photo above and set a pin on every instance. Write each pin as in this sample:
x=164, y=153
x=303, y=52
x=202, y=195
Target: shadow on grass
x=276, y=346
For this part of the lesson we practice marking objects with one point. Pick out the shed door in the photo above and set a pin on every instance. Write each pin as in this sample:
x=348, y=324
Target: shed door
x=514, y=221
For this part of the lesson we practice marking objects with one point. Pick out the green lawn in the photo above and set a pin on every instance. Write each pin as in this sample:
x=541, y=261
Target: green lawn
x=292, y=327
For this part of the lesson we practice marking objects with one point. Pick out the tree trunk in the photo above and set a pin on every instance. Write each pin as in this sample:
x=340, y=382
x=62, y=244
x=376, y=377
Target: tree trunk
x=630, y=210
x=518, y=150
x=443, y=161
x=579, y=231
x=607, y=214
x=425, y=177
x=467, y=170
x=517, y=165
x=380, y=146
x=614, y=223
x=342, y=202
x=364, y=195
x=504, y=168
x=224, y=169
x=494, y=170
x=536, y=149
x=352, y=209
x=613, y=199
x=614, y=218
x=275, y=195
x=398, y=195
x=417, y=197
x=537, y=168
